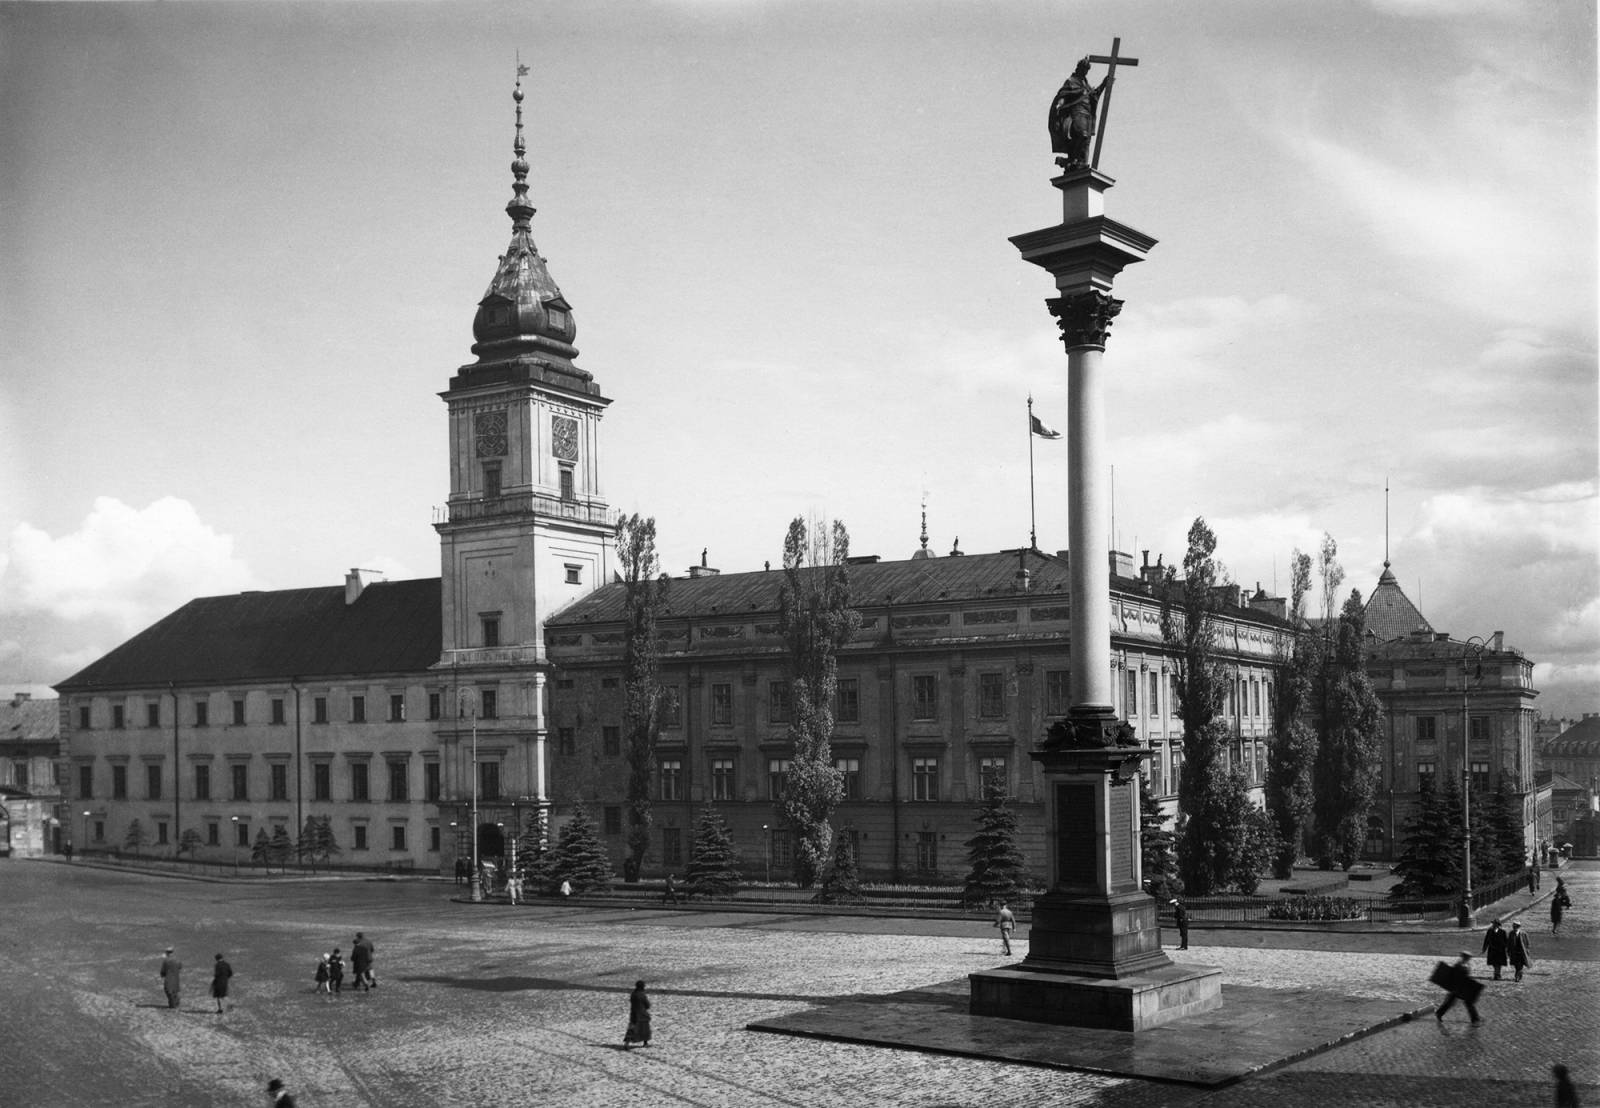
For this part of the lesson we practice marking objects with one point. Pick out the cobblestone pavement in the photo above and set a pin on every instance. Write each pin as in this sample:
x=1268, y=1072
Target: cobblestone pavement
x=489, y=1005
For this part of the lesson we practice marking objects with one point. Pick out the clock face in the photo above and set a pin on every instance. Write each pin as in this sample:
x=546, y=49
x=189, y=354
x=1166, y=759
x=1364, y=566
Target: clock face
x=564, y=438
x=489, y=433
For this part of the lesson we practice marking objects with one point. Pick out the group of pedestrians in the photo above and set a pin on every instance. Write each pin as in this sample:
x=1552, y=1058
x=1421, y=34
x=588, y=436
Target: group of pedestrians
x=171, y=976
x=329, y=974
x=1501, y=948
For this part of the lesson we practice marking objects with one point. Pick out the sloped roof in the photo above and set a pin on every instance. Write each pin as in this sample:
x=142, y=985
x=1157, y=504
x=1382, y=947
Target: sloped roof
x=1390, y=613
x=29, y=720
x=1581, y=740
x=393, y=627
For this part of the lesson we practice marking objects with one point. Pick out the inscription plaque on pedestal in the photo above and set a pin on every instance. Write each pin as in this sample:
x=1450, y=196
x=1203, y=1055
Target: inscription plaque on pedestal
x=1076, y=841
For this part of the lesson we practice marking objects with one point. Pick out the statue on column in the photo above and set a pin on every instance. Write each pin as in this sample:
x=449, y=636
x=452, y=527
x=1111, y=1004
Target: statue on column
x=1073, y=114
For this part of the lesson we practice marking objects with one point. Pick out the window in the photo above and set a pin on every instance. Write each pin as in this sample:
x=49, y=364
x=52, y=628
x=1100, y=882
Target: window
x=399, y=784
x=19, y=774
x=991, y=695
x=993, y=769
x=924, y=779
x=925, y=697
x=433, y=839
x=118, y=717
x=491, y=630
x=847, y=701
x=1427, y=775
x=671, y=779
x=611, y=741
x=777, y=772
x=1427, y=729
x=1480, y=777
x=83, y=717
x=722, y=705
x=927, y=852
x=1131, y=693
x=722, y=779
x=241, y=779
x=431, y=788
x=671, y=706
x=610, y=683
x=782, y=847
x=1255, y=697
x=567, y=740
x=779, y=709
x=152, y=714
x=489, y=780
x=397, y=707
x=1056, y=692
x=491, y=481
x=202, y=781
x=1478, y=729
x=358, y=709
x=99, y=830
x=568, y=486
x=277, y=710
x=397, y=837
x=213, y=833
x=671, y=846
x=238, y=713
x=574, y=574
x=360, y=836
x=85, y=782
x=1157, y=784
x=319, y=709
x=435, y=705
x=152, y=782
x=119, y=782
x=488, y=701
x=849, y=776
x=613, y=819
x=161, y=832
x=360, y=784
x=202, y=713
x=279, y=784
x=1152, y=706
x=321, y=781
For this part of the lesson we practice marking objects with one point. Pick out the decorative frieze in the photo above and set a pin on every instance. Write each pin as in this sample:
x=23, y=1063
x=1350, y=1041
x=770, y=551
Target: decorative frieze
x=992, y=616
x=940, y=619
x=1053, y=612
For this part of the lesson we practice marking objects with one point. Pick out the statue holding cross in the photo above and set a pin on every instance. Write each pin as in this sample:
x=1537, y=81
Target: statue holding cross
x=1079, y=111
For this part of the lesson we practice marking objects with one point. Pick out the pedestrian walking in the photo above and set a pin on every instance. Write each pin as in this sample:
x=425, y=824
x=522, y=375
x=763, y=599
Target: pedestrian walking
x=1559, y=903
x=336, y=972
x=279, y=1095
x=1459, y=984
x=1180, y=913
x=638, y=1017
x=513, y=888
x=361, y=961
x=1494, y=948
x=1518, y=950
x=171, y=975
x=221, y=972
x=1533, y=879
x=67, y=850
x=1007, y=923
x=566, y=887
x=671, y=895
x=323, y=976
x=1566, y=1091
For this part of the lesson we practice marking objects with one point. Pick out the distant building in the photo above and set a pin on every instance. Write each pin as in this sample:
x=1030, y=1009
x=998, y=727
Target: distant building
x=30, y=778
x=1572, y=761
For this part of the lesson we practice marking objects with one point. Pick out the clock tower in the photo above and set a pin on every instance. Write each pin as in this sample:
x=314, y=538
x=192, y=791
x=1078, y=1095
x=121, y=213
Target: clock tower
x=526, y=530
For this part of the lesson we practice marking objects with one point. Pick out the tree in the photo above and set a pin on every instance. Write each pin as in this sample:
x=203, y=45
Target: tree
x=261, y=850
x=581, y=858
x=1431, y=836
x=998, y=870
x=281, y=848
x=842, y=883
x=1292, y=753
x=1504, y=824
x=316, y=842
x=189, y=841
x=1350, y=729
x=135, y=838
x=1188, y=625
x=1157, y=849
x=815, y=620
x=713, y=861
x=536, y=858
x=644, y=592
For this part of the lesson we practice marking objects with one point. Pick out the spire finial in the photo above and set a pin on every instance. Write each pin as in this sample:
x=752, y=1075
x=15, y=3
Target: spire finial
x=1386, y=521
x=924, y=521
x=520, y=211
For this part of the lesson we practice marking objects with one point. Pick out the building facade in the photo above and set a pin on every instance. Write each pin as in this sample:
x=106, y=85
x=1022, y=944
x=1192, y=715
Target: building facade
x=31, y=773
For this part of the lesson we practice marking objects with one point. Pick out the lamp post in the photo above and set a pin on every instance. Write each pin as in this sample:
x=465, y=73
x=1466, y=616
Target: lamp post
x=235, y=820
x=86, y=814
x=464, y=701
x=766, y=837
x=1472, y=649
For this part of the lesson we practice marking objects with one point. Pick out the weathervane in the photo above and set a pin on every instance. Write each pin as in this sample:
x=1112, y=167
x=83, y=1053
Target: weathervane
x=1079, y=111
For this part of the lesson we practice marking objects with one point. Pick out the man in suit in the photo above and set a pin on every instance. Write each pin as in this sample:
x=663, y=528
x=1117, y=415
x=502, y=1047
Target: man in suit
x=171, y=970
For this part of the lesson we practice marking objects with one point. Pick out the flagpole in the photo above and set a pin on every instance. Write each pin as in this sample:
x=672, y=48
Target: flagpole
x=1033, y=523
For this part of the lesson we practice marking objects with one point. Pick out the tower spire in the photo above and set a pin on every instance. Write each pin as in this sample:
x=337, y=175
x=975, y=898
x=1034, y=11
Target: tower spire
x=519, y=209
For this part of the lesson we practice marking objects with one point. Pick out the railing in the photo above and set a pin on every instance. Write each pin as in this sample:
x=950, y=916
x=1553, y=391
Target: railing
x=584, y=511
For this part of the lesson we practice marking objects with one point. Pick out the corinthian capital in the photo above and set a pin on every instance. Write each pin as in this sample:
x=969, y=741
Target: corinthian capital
x=1084, y=318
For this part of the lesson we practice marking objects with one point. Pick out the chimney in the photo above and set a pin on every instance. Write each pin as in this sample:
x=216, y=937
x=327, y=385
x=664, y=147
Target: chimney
x=1497, y=641
x=703, y=570
x=18, y=699
x=356, y=582
x=1152, y=574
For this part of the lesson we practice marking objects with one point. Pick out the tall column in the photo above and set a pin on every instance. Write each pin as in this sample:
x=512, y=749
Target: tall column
x=1088, y=574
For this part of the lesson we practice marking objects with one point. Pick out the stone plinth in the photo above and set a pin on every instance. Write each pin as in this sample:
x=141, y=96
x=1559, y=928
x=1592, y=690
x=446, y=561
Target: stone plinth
x=1134, y=1003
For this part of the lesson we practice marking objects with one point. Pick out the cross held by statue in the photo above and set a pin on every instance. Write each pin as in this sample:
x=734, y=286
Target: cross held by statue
x=1111, y=61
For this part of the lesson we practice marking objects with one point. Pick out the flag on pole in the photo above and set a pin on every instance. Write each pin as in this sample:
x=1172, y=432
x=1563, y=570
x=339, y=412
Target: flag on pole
x=1041, y=428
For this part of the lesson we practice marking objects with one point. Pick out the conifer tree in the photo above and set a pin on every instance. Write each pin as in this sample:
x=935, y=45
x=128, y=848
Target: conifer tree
x=713, y=861
x=842, y=883
x=998, y=871
x=536, y=857
x=135, y=838
x=1157, y=850
x=581, y=858
x=281, y=848
x=1430, y=859
x=1505, y=832
x=189, y=841
x=261, y=850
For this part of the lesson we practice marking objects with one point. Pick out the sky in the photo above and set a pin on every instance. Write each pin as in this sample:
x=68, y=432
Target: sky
x=244, y=244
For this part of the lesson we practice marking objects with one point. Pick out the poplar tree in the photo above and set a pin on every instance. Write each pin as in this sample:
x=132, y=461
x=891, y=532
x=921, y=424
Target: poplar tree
x=580, y=856
x=1350, y=729
x=713, y=861
x=644, y=591
x=998, y=870
x=1292, y=753
x=815, y=619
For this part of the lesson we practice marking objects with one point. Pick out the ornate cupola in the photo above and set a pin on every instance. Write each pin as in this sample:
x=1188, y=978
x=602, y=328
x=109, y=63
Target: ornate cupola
x=524, y=327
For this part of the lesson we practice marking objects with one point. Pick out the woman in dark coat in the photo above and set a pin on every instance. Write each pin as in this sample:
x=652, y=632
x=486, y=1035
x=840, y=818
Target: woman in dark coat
x=1494, y=948
x=220, y=972
x=1517, y=948
x=1558, y=903
x=638, y=1017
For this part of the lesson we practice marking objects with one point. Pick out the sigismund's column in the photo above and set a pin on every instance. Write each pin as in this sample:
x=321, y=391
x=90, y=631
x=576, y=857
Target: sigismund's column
x=1095, y=957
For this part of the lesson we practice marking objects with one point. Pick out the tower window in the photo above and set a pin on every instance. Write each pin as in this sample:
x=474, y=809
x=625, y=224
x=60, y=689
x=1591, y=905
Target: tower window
x=574, y=574
x=491, y=480
x=491, y=630
x=568, y=484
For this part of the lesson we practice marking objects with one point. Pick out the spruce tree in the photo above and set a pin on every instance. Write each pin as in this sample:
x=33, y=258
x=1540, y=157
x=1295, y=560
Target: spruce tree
x=581, y=857
x=135, y=838
x=306, y=845
x=998, y=871
x=281, y=848
x=536, y=857
x=1430, y=859
x=189, y=841
x=1157, y=849
x=713, y=861
x=1505, y=832
x=261, y=850
x=327, y=845
x=842, y=883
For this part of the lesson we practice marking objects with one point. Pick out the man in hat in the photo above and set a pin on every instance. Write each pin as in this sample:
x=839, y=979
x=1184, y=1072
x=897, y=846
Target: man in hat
x=171, y=969
x=1458, y=982
x=280, y=1096
x=1517, y=949
x=1181, y=913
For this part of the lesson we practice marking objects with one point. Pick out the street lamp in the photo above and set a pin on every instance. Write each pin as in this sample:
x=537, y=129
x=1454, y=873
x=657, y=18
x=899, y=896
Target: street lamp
x=1473, y=648
x=766, y=837
x=235, y=820
x=86, y=815
x=464, y=700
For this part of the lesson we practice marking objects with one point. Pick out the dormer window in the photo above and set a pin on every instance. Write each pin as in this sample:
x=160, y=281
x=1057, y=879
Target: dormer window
x=558, y=318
